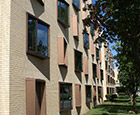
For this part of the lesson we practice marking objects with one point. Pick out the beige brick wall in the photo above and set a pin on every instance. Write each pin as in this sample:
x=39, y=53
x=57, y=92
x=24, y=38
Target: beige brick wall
x=5, y=8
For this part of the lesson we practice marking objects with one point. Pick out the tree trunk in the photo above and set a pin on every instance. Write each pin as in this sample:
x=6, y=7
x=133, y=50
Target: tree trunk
x=131, y=98
x=134, y=103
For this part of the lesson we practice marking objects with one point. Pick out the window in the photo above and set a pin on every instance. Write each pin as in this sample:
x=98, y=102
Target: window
x=94, y=70
x=78, y=61
x=107, y=90
x=62, y=51
x=88, y=94
x=102, y=76
x=35, y=97
x=86, y=40
x=99, y=92
x=63, y=12
x=37, y=37
x=94, y=95
x=106, y=65
x=97, y=54
x=108, y=79
x=92, y=29
x=65, y=96
x=100, y=44
x=76, y=4
x=78, y=95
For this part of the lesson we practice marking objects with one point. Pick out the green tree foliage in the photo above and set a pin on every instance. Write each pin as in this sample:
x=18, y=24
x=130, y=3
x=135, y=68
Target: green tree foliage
x=119, y=20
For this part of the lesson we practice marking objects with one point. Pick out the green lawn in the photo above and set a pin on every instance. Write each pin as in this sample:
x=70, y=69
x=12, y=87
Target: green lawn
x=120, y=106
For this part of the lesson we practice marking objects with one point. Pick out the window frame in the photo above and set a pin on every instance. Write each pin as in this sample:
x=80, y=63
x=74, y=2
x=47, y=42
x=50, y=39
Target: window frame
x=76, y=8
x=75, y=61
x=65, y=83
x=61, y=22
x=35, y=53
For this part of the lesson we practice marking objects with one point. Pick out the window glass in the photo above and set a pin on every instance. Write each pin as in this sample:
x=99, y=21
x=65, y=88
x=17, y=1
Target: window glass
x=37, y=36
x=42, y=39
x=107, y=90
x=76, y=3
x=86, y=40
x=78, y=61
x=65, y=96
x=94, y=71
x=99, y=92
x=63, y=12
x=100, y=44
x=102, y=75
x=88, y=93
x=31, y=34
x=97, y=53
x=92, y=29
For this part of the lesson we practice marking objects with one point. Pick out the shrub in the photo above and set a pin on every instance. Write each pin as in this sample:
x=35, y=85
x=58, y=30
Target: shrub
x=111, y=97
x=108, y=96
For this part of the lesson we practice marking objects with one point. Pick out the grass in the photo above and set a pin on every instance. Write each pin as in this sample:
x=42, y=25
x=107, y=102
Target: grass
x=120, y=106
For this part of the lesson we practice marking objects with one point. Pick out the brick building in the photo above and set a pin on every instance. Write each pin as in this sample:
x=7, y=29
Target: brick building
x=49, y=64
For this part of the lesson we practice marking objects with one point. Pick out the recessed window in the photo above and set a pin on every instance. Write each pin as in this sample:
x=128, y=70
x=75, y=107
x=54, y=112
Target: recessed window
x=88, y=94
x=63, y=12
x=86, y=40
x=97, y=54
x=94, y=71
x=76, y=4
x=102, y=75
x=78, y=61
x=106, y=66
x=92, y=29
x=37, y=36
x=65, y=96
x=107, y=90
x=99, y=92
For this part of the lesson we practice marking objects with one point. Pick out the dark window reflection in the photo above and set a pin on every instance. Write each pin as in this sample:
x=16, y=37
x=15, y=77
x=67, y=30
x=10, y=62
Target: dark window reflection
x=86, y=40
x=31, y=34
x=63, y=12
x=65, y=96
x=78, y=61
x=42, y=38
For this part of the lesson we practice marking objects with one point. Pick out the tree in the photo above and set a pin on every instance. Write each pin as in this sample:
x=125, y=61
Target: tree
x=119, y=20
x=128, y=75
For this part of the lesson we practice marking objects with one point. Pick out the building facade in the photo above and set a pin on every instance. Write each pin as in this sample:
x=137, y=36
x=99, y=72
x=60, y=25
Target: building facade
x=49, y=63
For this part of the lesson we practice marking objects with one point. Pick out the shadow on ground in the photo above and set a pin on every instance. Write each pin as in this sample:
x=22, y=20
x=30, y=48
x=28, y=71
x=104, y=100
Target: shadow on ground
x=119, y=106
